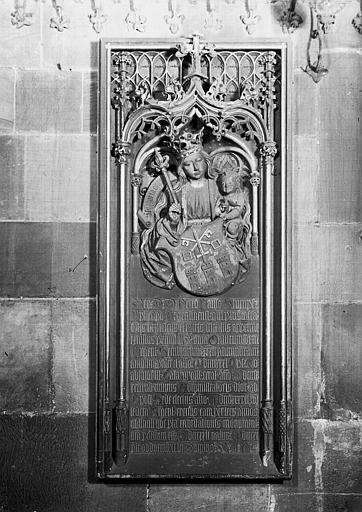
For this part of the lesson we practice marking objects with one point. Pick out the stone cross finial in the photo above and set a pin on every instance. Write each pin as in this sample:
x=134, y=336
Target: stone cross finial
x=196, y=49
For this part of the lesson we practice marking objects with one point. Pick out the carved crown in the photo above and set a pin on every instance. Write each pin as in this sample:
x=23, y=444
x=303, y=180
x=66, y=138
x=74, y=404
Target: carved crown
x=188, y=142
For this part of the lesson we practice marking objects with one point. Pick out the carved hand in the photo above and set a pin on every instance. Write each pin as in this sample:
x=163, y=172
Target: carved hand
x=174, y=214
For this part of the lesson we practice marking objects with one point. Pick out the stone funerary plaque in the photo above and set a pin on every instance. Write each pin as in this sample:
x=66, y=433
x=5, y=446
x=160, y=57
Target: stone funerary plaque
x=193, y=342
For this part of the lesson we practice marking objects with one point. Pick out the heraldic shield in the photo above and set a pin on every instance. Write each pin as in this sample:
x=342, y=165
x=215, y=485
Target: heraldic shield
x=206, y=263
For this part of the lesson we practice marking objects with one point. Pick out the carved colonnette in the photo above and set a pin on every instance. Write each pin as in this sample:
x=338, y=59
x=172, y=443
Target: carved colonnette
x=189, y=276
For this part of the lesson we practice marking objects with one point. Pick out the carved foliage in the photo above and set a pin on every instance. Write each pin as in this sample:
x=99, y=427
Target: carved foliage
x=160, y=76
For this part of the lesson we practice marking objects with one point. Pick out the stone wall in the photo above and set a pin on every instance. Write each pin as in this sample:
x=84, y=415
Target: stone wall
x=48, y=208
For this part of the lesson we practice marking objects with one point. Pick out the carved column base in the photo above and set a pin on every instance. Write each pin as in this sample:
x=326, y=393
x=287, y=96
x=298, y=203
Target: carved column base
x=122, y=431
x=282, y=438
x=107, y=461
x=266, y=423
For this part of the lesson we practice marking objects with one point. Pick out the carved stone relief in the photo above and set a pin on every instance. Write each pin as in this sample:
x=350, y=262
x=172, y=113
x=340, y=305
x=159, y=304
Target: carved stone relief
x=190, y=213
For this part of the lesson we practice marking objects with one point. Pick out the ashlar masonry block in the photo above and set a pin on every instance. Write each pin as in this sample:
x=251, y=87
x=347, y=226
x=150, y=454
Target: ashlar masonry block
x=25, y=360
x=11, y=177
x=60, y=178
x=48, y=101
x=74, y=355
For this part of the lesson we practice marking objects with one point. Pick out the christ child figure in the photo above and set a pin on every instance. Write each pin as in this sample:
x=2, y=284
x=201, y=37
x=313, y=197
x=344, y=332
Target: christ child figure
x=231, y=205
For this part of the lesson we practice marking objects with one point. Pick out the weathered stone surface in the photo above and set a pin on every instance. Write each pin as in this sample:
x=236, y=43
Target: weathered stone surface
x=343, y=34
x=39, y=259
x=289, y=502
x=326, y=260
x=342, y=361
x=25, y=358
x=25, y=256
x=305, y=112
x=303, y=469
x=341, y=462
x=74, y=338
x=79, y=48
x=339, y=181
x=60, y=183
x=305, y=179
x=11, y=177
x=342, y=503
x=19, y=47
x=90, y=98
x=307, y=358
x=48, y=101
x=46, y=466
x=215, y=498
x=300, y=36
x=339, y=192
x=7, y=81
x=72, y=242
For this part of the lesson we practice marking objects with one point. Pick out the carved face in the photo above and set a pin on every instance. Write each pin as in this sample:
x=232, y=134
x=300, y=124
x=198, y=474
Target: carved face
x=228, y=183
x=194, y=166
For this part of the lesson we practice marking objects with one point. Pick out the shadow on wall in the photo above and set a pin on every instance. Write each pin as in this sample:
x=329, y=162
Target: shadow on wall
x=93, y=116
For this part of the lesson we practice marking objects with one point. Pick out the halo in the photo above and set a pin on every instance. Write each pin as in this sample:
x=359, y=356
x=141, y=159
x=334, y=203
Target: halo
x=228, y=161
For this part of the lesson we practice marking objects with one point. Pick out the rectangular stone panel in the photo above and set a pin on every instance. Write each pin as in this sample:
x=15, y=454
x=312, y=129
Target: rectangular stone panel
x=73, y=334
x=341, y=470
x=307, y=336
x=12, y=177
x=7, y=107
x=41, y=259
x=228, y=498
x=192, y=245
x=60, y=178
x=342, y=361
x=74, y=259
x=45, y=466
x=326, y=260
x=26, y=264
x=304, y=107
x=340, y=142
x=90, y=102
x=26, y=356
x=339, y=187
x=48, y=101
x=305, y=179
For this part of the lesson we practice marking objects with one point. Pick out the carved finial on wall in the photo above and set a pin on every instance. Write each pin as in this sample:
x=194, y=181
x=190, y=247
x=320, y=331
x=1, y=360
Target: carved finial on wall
x=134, y=19
x=20, y=17
x=286, y=14
x=213, y=18
x=174, y=19
x=326, y=12
x=357, y=20
x=60, y=22
x=97, y=16
x=315, y=68
x=250, y=19
x=323, y=15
